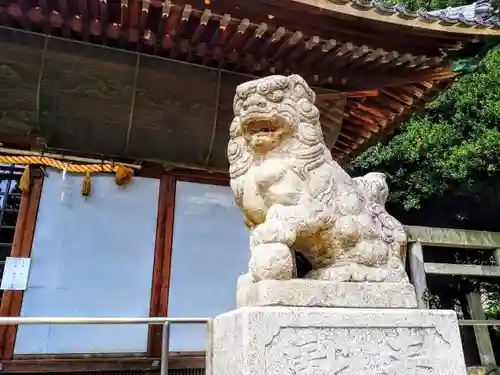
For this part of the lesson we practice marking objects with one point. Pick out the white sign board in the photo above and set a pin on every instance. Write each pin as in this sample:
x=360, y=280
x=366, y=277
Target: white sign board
x=15, y=273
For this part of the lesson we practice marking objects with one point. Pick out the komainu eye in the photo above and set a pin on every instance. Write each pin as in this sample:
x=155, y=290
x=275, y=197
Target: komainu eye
x=275, y=96
x=282, y=83
x=263, y=88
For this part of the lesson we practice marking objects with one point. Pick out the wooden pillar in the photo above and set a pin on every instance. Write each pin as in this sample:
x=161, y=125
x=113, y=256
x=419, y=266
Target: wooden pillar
x=163, y=254
x=483, y=341
x=417, y=274
x=21, y=247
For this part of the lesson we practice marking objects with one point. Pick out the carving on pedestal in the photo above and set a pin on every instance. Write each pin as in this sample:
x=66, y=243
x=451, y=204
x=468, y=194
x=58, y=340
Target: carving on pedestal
x=295, y=198
x=355, y=350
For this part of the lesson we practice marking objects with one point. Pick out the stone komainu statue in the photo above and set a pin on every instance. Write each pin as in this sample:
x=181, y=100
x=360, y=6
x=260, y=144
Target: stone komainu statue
x=296, y=199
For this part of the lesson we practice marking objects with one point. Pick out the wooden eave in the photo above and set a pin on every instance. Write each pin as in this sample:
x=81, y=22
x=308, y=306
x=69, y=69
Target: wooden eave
x=396, y=104
x=397, y=74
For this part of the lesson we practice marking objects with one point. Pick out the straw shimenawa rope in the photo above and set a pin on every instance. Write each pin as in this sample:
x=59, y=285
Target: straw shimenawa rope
x=123, y=174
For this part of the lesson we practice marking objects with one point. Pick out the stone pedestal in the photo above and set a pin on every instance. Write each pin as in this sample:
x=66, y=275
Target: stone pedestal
x=285, y=340
x=319, y=293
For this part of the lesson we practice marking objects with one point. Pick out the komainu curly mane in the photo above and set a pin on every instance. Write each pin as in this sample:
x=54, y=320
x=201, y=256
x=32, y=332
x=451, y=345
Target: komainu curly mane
x=295, y=198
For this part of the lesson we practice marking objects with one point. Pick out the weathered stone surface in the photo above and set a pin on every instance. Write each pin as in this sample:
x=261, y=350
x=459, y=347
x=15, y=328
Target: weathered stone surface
x=318, y=293
x=294, y=196
x=322, y=341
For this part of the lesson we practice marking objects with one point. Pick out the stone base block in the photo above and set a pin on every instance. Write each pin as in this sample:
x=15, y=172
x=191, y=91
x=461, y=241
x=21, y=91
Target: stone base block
x=328, y=341
x=319, y=293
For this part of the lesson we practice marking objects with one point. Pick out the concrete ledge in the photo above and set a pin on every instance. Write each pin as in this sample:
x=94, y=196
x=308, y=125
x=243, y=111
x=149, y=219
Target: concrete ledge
x=318, y=293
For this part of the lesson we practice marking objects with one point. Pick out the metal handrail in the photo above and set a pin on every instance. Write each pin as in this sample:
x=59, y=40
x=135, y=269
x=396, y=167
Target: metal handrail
x=15, y=320
x=165, y=321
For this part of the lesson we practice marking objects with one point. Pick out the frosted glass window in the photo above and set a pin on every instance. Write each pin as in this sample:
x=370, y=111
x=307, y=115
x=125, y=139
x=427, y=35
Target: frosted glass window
x=210, y=251
x=90, y=258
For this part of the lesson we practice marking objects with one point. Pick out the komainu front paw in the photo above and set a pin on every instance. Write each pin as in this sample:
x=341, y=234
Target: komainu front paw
x=337, y=273
x=377, y=274
x=350, y=272
x=271, y=261
x=396, y=271
x=273, y=231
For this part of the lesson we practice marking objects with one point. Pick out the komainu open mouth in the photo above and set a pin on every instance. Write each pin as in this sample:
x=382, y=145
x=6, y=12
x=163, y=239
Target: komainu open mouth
x=262, y=126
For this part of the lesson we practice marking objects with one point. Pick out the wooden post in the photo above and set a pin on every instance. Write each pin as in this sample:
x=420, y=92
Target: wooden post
x=163, y=255
x=483, y=341
x=417, y=274
x=496, y=254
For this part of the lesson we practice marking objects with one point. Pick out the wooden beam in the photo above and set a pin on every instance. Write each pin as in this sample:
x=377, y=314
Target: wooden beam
x=456, y=238
x=371, y=110
x=418, y=78
x=417, y=274
x=461, y=269
x=21, y=247
x=176, y=361
x=349, y=94
x=154, y=170
x=201, y=177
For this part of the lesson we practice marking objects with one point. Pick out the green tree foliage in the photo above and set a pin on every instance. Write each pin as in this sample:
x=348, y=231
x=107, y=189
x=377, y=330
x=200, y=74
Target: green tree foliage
x=443, y=166
x=432, y=4
x=443, y=169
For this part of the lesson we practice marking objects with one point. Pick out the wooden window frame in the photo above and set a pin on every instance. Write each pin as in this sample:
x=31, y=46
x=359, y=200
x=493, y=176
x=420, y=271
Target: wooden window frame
x=162, y=260
x=21, y=247
x=164, y=240
x=12, y=175
x=23, y=239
